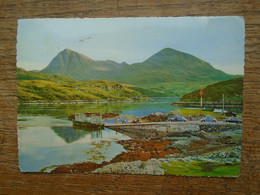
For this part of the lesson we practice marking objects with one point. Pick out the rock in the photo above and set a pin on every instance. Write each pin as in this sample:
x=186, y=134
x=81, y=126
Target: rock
x=151, y=166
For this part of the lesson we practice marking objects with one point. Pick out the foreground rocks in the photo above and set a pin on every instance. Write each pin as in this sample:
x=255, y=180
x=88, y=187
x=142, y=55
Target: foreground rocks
x=174, y=149
x=177, y=153
x=151, y=166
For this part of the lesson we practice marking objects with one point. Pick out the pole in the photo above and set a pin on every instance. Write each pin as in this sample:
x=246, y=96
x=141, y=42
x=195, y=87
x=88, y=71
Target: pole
x=201, y=105
x=201, y=93
x=223, y=104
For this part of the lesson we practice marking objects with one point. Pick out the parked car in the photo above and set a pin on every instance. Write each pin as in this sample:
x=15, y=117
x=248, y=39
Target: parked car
x=208, y=119
x=233, y=120
x=177, y=118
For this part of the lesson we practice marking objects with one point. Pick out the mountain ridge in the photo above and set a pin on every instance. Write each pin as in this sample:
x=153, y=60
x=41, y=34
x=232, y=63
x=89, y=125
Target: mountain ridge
x=166, y=66
x=78, y=66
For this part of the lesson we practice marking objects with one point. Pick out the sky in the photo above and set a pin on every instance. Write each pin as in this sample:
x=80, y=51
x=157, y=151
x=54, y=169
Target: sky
x=216, y=40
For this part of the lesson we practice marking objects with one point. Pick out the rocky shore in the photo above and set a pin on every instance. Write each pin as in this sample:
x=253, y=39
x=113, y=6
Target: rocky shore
x=197, y=153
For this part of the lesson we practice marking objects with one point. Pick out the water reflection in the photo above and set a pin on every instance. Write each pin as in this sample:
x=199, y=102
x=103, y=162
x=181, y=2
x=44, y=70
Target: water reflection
x=96, y=134
x=69, y=134
x=46, y=137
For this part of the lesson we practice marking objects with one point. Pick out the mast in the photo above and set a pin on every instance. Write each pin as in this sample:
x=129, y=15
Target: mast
x=223, y=104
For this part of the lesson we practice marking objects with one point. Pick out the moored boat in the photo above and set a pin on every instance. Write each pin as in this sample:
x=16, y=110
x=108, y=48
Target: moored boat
x=92, y=121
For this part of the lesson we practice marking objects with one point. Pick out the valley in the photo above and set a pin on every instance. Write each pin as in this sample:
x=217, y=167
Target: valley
x=167, y=73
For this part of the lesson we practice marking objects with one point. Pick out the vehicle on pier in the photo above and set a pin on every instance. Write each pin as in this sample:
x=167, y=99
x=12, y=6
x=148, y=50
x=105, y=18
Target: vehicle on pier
x=208, y=119
x=233, y=120
x=177, y=118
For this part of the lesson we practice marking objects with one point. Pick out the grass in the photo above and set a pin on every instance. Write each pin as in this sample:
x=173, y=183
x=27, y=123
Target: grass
x=48, y=90
x=197, y=168
x=41, y=86
x=187, y=112
x=178, y=88
x=148, y=91
x=232, y=89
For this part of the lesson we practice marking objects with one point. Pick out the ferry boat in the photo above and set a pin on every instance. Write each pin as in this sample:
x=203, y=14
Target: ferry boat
x=88, y=121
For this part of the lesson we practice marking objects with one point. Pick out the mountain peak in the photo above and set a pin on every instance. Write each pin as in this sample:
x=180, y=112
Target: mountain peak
x=67, y=51
x=167, y=65
x=168, y=51
x=166, y=54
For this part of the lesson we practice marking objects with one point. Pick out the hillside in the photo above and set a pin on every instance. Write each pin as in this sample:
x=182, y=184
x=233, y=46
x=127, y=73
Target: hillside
x=40, y=86
x=78, y=66
x=232, y=90
x=161, y=71
x=148, y=92
x=169, y=65
x=31, y=75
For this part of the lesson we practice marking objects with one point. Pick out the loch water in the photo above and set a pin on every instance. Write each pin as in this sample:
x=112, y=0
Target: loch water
x=46, y=137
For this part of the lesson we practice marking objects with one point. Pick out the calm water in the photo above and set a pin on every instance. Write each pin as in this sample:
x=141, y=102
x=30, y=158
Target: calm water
x=46, y=137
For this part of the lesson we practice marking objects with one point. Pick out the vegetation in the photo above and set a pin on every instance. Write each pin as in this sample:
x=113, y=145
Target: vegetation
x=40, y=86
x=192, y=112
x=177, y=89
x=232, y=89
x=169, y=72
x=197, y=168
x=188, y=112
x=29, y=75
x=148, y=91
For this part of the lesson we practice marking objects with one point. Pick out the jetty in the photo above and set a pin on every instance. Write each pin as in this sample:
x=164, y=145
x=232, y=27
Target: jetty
x=161, y=129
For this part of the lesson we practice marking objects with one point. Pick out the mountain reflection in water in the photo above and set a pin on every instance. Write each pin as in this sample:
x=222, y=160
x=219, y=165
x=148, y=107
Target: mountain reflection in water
x=69, y=134
x=46, y=137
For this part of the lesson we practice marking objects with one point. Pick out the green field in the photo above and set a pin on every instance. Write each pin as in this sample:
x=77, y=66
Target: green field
x=198, y=168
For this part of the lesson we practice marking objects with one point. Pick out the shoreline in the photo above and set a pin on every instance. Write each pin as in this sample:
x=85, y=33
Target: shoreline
x=174, y=154
x=82, y=101
x=209, y=104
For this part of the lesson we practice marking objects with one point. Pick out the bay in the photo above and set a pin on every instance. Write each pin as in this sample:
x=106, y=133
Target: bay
x=46, y=138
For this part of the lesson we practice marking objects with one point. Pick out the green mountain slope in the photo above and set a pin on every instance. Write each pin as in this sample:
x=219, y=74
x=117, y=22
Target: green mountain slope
x=75, y=65
x=31, y=75
x=178, y=89
x=232, y=90
x=40, y=86
x=148, y=92
x=169, y=65
x=169, y=70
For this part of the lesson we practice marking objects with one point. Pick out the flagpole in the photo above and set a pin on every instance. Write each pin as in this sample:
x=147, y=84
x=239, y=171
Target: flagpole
x=201, y=93
x=223, y=104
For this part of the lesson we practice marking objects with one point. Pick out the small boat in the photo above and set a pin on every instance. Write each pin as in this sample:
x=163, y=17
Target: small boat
x=93, y=121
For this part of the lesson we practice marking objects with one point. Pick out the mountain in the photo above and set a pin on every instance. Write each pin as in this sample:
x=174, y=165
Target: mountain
x=167, y=65
x=169, y=70
x=232, y=90
x=41, y=86
x=78, y=66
